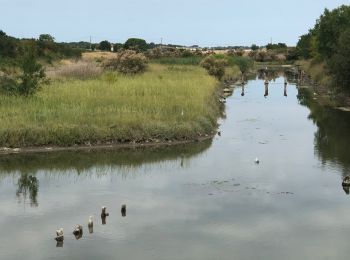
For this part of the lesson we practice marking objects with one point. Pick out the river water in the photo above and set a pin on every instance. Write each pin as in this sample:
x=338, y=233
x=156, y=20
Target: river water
x=202, y=201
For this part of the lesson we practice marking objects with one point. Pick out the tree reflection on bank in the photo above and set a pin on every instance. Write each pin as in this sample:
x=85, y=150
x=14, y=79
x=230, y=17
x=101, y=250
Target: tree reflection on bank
x=332, y=140
x=28, y=185
x=123, y=161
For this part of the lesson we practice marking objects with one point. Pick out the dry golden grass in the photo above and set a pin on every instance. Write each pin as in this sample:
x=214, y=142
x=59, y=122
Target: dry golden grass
x=75, y=70
x=98, y=55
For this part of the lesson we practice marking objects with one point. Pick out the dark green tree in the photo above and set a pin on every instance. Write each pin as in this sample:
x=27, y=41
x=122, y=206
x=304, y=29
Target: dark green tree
x=328, y=29
x=105, y=46
x=118, y=46
x=136, y=44
x=340, y=62
x=254, y=47
x=304, y=46
x=8, y=45
x=46, y=38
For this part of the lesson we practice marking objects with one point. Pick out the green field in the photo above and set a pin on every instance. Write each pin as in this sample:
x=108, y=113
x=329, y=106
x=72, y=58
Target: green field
x=167, y=102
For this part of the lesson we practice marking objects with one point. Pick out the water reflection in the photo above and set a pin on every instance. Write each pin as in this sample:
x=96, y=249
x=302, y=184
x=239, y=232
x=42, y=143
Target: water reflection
x=266, y=88
x=91, y=229
x=285, y=89
x=332, y=140
x=28, y=184
x=242, y=93
x=212, y=203
x=79, y=161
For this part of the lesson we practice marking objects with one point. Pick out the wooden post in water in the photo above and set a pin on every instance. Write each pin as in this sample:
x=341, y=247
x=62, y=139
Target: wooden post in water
x=266, y=88
x=285, y=87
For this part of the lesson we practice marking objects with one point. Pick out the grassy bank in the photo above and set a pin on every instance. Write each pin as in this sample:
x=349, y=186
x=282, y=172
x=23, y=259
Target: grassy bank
x=317, y=71
x=166, y=102
x=328, y=93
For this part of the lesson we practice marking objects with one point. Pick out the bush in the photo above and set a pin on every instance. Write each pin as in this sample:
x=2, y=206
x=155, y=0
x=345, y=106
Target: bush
x=214, y=66
x=244, y=64
x=128, y=62
x=32, y=73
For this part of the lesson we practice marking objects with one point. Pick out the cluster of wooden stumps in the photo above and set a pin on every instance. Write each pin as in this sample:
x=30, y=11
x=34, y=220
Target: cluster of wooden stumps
x=78, y=230
x=266, y=83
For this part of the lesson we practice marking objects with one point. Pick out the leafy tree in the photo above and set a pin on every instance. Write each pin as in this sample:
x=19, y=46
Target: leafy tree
x=46, y=38
x=277, y=46
x=292, y=54
x=254, y=47
x=32, y=72
x=340, y=62
x=304, y=46
x=8, y=45
x=244, y=64
x=329, y=28
x=105, y=46
x=118, y=46
x=152, y=45
x=136, y=44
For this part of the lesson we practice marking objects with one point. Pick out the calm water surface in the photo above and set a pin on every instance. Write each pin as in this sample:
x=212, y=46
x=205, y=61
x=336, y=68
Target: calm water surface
x=202, y=201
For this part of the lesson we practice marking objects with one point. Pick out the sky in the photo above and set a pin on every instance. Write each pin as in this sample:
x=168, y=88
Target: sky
x=184, y=22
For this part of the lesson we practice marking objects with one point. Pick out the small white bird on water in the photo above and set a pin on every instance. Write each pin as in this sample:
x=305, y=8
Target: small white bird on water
x=257, y=160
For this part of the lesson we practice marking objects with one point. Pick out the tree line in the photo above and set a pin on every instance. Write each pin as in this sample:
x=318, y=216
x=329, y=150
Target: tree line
x=329, y=42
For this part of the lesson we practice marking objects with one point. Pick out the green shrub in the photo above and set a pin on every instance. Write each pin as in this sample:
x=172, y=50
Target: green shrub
x=32, y=73
x=243, y=63
x=214, y=66
x=128, y=62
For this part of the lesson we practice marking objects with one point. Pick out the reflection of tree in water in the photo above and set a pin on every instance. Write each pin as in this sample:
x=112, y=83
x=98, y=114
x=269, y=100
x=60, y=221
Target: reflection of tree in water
x=332, y=139
x=28, y=184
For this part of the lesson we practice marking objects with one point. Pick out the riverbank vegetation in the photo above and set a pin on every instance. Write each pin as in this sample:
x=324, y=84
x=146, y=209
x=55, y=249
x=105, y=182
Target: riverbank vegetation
x=326, y=49
x=164, y=103
x=136, y=94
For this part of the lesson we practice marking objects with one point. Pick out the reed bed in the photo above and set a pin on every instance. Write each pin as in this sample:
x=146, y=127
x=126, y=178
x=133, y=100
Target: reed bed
x=161, y=104
x=79, y=70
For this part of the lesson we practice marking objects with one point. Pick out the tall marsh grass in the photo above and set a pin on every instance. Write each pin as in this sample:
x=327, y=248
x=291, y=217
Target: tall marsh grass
x=162, y=103
x=193, y=60
x=80, y=70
